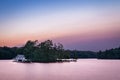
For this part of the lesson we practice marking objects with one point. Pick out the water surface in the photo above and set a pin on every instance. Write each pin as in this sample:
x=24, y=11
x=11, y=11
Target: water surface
x=83, y=69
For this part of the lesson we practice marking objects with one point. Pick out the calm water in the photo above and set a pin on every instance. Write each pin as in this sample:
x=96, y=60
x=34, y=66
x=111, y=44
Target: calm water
x=83, y=69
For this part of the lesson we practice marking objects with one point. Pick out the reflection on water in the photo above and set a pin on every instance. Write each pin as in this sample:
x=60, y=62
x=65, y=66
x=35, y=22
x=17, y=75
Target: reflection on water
x=83, y=69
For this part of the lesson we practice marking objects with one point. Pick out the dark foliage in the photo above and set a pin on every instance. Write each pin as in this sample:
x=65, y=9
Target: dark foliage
x=48, y=51
x=109, y=54
x=83, y=54
x=7, y=53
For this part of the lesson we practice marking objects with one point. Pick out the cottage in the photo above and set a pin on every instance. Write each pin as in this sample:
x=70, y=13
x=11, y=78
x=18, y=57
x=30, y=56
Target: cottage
x=20, y=58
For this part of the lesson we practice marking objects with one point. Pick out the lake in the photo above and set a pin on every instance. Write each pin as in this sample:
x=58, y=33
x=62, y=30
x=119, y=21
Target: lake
x=83, y=69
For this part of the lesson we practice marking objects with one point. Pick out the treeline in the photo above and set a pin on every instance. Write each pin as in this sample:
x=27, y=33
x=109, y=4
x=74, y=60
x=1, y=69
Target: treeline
x=109, y=54
x=7, y=52
x=46, y=51
x=82, y=54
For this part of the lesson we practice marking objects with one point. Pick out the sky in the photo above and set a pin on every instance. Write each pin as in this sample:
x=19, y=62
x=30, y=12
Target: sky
x=77, y=24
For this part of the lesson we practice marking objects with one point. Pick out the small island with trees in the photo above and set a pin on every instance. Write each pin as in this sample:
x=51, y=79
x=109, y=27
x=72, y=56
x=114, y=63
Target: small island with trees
x=47, y=51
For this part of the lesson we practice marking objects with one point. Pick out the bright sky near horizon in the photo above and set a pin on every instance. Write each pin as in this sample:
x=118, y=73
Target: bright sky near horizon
x=77, y=24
